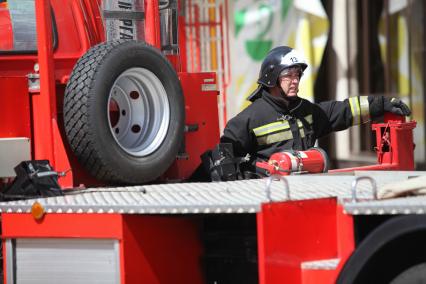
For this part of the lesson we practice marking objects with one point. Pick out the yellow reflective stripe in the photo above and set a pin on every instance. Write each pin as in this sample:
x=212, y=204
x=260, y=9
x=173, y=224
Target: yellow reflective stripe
x=365, y=108
x=271, y=127
x=308, y=119
x=276, y=137
x=262, y=131
x=356, y=114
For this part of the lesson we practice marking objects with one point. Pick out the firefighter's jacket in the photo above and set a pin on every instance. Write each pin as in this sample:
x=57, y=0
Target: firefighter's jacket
x=266, y=126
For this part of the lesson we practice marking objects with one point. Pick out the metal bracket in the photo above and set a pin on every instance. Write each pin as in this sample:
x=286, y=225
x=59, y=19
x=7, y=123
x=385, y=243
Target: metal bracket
x=191, y=127
x=268, y=186
x=355, y=183
x=33, y=83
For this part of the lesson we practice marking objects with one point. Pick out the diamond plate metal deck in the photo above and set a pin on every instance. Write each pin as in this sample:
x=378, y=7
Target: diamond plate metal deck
x=397, y=206
x=203, y=198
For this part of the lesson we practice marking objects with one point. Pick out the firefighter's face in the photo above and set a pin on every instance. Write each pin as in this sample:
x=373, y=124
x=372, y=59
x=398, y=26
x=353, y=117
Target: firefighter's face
x=289, y=81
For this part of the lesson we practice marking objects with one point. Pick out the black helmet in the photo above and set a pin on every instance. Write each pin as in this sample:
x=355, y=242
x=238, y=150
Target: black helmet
x=276, y=60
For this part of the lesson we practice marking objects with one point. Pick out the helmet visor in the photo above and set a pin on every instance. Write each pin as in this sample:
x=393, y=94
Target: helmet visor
x=291, y=72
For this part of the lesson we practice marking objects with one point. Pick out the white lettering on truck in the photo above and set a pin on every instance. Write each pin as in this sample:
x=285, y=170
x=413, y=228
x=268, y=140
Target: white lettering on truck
x=127, y=26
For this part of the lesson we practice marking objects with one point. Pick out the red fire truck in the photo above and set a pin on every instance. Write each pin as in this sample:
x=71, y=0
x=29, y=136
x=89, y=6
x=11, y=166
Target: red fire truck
x=98, y=106
x=102, y=90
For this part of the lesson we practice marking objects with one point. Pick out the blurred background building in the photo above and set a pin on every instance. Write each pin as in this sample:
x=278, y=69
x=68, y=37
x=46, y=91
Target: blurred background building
x=353, y=47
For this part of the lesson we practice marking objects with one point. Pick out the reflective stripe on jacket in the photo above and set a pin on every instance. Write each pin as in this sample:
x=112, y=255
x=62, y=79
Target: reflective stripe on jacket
x=266, y=127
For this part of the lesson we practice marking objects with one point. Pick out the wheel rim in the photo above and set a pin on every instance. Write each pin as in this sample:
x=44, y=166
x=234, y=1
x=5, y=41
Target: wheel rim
x=138, y=112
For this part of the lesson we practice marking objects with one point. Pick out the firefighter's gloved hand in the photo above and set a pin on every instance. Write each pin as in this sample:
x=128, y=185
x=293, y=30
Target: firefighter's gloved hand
x=396, y=106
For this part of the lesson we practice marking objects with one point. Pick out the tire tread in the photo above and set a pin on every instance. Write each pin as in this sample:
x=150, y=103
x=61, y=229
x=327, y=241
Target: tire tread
x=77, y=120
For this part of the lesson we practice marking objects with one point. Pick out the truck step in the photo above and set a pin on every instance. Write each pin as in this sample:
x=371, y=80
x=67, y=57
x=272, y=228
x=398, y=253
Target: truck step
x=319, y=271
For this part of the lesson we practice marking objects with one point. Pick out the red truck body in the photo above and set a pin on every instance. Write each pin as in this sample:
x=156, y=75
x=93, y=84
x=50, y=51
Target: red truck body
x=187, y=232
x=38, y=114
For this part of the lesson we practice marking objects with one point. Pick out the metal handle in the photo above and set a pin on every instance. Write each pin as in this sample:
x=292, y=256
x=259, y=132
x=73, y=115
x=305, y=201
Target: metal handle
x=355, y=183
x=268, y=186
x=43, y=174
x=38, y=174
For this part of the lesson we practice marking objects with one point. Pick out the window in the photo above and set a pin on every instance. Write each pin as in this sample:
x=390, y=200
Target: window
x=17, y=25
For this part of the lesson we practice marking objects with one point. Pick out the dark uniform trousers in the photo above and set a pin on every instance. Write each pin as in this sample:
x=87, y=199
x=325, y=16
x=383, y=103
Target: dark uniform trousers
x=268, y=126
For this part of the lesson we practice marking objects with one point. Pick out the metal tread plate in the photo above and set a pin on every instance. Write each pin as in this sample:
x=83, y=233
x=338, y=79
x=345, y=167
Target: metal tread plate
x=244, y=196
x=395, y=206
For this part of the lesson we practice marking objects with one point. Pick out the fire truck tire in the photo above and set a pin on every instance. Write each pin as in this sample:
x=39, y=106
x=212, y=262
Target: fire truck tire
x=413, y=275
x=124, y=112
x=390, y=249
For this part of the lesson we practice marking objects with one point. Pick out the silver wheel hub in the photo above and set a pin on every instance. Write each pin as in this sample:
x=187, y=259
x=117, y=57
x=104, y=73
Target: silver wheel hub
x=138, y=112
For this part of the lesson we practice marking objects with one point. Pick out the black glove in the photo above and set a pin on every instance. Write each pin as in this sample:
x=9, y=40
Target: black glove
x=395, y=106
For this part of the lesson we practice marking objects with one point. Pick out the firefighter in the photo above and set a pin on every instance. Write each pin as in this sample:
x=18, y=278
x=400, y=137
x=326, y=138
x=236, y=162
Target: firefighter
x=279, y=120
